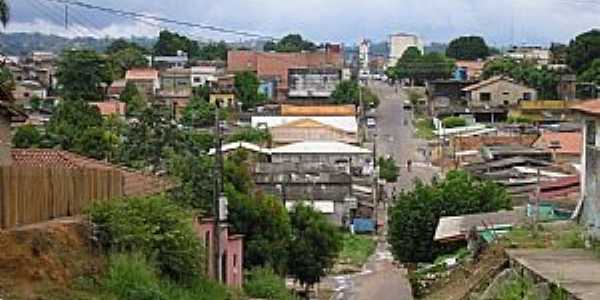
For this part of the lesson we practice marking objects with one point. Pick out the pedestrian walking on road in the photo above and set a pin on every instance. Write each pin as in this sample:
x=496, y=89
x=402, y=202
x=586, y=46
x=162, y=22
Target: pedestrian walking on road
x=408, y=165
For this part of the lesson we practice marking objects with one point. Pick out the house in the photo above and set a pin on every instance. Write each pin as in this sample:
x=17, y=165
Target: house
x=116, y=88
x=269, y=66
x=458, y=228
x=111, y=107
x=175, y=82
x=565, y=146
x=223, y=98
x=310, y=130
x=489, y=100
x=446, y=97
x=498, y=152
x=180, y=60
x=146, y=80
x=309, y=83
x=327, y=152
x=536, y=54
x=203, y=75
x=27, y=89
x=472, y=69
x=345, y=123
x=231, y=248
x=399, y=43
x=9, y=114
x=326, y=188
x=320, y=110
x=544, y=111
x=589, y=207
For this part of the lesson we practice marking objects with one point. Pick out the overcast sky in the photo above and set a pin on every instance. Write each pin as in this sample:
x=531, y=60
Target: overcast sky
x=500, y=22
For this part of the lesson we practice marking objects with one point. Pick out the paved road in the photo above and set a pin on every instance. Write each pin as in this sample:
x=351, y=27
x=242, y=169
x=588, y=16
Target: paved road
x=381, y=279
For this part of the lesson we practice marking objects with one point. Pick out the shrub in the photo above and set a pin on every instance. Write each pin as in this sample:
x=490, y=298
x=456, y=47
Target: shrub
x=130, y=276
x=264, y=283
x=27, y=136
x=453, y=122
x=388, y=169
x=356, y=249
x=156, y=228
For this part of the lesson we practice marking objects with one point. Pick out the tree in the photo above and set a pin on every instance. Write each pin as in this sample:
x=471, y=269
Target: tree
x=198, y=113
x=214, y=51
x=591, y=74
x=94, y=142
x=346, y=92
x=418, y=67
x=4, y=12
x=315, y=245
x=250, y=135
x=136, y=102
x=169, y=43
x=70, y=121
x=122, y=44
x=81, y=74
x=196, y=185
x=468, y=48
x=453, y=122
x=246, y=87
x=125, y=59
x=388, y=169
x=416, y=213
x=27, y=136
x=6, y=78
x=290, y=43
x=583, y=50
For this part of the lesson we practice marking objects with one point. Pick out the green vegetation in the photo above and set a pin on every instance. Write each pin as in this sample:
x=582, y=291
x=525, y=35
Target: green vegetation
x=468, y=48
x=314, y=247
x=453, y=122
x=591, y=74
x=4, y=12
x=135, y=100
x=356, y=249
x=27, y=136
x=199, y=113
x=418, y=67
x=81, y=73
x=246, y=88
x=263, y=283
x=416, y=213
x=424, y=129
x=169, y=43
x=155, y=227
x=127, y=58
x=290, y=43
x=519, y=120
x=522, y=288
x=347, y=92
x=6, y=78
x=583, y=50
x=542, y=78
x=250, y=135
x=388, y=169
x=571, y=236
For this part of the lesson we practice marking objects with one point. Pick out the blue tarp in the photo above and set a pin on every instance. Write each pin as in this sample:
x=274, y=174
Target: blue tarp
x=363, y=225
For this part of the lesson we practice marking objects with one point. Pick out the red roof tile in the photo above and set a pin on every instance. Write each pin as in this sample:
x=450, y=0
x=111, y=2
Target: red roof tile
x=147, y=73
x=108, y=108
x=570, y=142
x=591, y=107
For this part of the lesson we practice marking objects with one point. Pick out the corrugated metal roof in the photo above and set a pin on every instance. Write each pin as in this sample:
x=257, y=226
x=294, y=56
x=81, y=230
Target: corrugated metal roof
x=324, y=110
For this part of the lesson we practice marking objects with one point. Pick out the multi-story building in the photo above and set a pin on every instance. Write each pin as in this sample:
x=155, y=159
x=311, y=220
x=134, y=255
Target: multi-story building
x=399, y=43
x=312, y=83
x=146, y=80
x=363, y=55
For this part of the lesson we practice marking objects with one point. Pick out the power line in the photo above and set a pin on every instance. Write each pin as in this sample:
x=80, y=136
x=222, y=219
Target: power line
x=164, y=19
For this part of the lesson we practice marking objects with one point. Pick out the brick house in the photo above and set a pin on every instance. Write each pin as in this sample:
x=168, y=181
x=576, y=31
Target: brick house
x=145, y=79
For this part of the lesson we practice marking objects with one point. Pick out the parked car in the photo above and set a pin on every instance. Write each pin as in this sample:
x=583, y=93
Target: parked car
x=407, y=105
x=371, y=122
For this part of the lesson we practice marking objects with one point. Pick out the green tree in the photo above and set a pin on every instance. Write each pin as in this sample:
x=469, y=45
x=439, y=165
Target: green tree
x=388, y=169
x=125, y=59
x=468, y=48
x=70, y=121
x=169, y=43
x=315, y=245
x=263, y=283
x=198, y=113
x=591, y=74
x=196, y=183
x=155, y=227
x=4, y=12
x=81, y=74
x=214, y=51
x=136, y=102
x=290, y=43
x=250, y=135
x=416, y=213
x=583, y=50
x=347, y=92
x=542, y=78
x=122, y=44
x=418, y=67
x=453, y=122
x=246, y=87
x=27, y=136
x=6, y=78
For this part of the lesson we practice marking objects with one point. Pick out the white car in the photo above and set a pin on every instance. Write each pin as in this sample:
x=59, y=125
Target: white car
x=371, y=122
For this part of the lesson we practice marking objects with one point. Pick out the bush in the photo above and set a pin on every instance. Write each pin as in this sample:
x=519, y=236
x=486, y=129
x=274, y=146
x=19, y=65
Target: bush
x=156, y=228
x=453, y=122
x=356, y=249
x=27, y=136
x=265, y=284
x=250, y=135
x=415, y=214
x=130, y=276
x=388, y=169
x=519, y=120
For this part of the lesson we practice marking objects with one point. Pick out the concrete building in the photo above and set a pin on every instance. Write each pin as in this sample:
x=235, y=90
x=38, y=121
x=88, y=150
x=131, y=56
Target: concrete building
x=363, y=56
x=165, y=62
x=345, y=123
x=310, y=130
x=534, y=54
x=399, y=43
x=312, y=82
x=203, y=75
x=326, y=152
x=27, y=89
x=146, y=80
x=589, y=206
x=498, y=92
x=176, y=82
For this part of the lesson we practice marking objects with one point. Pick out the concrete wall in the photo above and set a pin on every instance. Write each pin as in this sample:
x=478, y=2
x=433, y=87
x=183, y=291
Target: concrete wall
x=357, y=160
x=502, y=92
x=5, y=141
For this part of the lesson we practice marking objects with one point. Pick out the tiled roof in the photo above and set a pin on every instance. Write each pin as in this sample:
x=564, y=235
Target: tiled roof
x=569, y=142
x=148, y=74
x=591, y=107
x=108, y=108
x=135, y=183
x=487, y=82
x=325, y=110
x=347, y=124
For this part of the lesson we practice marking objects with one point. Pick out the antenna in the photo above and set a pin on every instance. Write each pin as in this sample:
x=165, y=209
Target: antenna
x=67, y=16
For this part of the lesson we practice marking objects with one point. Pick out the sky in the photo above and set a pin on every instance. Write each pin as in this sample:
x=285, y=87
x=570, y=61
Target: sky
x=501, y=23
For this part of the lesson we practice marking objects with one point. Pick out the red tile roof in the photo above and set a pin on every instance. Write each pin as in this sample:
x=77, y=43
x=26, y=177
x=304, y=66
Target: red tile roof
x=147, y=74
x=570, y=142
x=591, y=107
x=108, y=108
x=136, y=183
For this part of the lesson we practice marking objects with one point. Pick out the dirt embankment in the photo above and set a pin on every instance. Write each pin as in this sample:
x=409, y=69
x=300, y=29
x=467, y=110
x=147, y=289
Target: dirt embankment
x=40, y=259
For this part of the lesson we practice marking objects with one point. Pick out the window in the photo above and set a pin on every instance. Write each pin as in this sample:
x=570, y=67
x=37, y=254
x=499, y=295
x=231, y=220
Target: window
x=505, y=93
x=235, y=260
x=506, y=103
x=485, y=96
x=526, y=96
x=196, y=79
x=590, y=136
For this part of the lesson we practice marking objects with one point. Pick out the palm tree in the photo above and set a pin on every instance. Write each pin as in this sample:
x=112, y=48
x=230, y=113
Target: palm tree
x=4, y=12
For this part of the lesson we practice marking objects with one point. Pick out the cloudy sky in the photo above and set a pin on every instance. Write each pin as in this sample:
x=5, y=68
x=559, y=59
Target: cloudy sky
x=501, y=22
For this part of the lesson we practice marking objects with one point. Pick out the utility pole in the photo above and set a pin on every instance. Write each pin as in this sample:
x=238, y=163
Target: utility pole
x=536, y=213
x=218, y=182
x=66, y=16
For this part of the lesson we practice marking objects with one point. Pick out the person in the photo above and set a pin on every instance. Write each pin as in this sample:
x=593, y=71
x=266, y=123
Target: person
x=408, y=165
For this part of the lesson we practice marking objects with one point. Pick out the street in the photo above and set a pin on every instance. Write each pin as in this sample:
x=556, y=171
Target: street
x=380, y=278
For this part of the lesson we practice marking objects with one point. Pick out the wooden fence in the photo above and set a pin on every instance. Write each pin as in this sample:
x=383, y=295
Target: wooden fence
x=35, y=194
